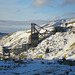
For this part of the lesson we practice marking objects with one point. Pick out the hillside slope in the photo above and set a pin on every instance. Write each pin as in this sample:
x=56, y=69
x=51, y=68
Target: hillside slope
x=59, y=45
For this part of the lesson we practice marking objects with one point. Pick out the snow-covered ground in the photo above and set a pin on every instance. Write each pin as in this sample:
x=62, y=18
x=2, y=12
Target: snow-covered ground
x=60, y=45
x=35, y=67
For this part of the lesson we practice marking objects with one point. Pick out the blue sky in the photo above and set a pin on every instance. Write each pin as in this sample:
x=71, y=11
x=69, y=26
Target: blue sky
x=24, y=10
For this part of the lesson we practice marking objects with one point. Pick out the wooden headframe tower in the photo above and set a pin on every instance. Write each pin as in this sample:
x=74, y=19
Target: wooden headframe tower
x=36, y=36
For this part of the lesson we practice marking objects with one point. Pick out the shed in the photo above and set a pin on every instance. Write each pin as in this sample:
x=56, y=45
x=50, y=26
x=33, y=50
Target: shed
x=25, y=46
x=6, y=52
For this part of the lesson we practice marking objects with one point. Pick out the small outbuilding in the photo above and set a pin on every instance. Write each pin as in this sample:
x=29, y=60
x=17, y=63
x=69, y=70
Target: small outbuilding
x=6, y=53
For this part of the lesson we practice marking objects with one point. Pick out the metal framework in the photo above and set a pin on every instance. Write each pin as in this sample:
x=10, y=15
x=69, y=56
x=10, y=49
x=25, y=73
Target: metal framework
x=36, y=36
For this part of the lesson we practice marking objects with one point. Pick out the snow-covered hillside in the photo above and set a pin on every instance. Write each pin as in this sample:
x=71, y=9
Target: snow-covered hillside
x=54, y=55
x=15, y=40
x=59, y=45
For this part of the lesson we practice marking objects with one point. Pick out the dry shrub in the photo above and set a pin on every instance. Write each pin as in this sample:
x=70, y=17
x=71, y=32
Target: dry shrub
x=64, y=57
x=56, y=53
x=73, y=53
x=69, y=23
x=9, y=35
x=23, y=56
x=72, y=48
x=1, y=58
x=41, y=39
x=67, y=50
x=72, y=45
x=28, y=32
x=72, y=22
x=40, y=56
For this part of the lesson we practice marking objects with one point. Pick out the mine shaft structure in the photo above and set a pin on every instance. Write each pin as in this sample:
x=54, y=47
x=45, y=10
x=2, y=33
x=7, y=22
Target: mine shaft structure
x=37, y=35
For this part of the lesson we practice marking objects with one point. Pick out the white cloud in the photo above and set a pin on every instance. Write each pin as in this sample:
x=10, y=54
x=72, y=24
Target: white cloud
x=39, y=3
x=68, y=2
x=69, y=14
x=51, y=3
